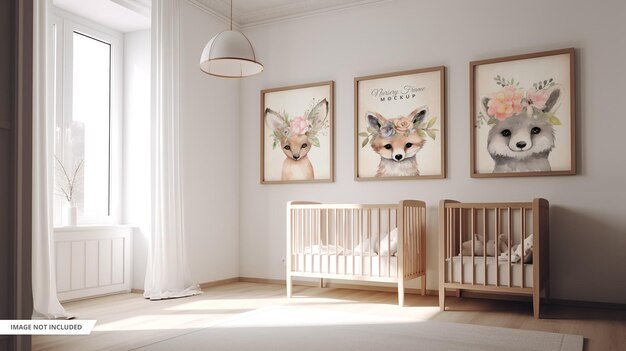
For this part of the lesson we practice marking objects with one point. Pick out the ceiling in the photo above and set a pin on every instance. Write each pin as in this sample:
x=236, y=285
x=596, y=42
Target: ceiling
x=248, y=13
x=120, y=15
x=131, y=15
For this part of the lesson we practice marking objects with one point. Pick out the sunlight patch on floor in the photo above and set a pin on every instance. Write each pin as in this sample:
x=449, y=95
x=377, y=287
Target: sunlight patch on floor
x=224, y=304
x=292, y=316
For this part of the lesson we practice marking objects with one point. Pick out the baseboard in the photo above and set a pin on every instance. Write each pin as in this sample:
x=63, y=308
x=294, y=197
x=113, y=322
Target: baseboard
x=262, y=281
x=589, y=304
x=219, y=282
x=202, y=285
x=96, y=296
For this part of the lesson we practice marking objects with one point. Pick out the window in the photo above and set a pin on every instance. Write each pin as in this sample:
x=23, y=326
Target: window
x=86, y=110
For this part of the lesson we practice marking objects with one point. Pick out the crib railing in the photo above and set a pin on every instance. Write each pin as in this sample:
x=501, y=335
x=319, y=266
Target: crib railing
x=492, y=226
x=340, y=241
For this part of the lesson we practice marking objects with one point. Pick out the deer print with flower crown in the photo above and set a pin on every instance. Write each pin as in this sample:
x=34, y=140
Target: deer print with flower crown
x=296, y=136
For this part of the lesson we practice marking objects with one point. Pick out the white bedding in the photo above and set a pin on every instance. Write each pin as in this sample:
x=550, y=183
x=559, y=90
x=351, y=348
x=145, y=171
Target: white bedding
x=358, y=265
x=454, y=275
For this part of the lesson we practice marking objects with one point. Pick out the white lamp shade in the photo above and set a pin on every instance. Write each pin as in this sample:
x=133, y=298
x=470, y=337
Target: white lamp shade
x=229, y=54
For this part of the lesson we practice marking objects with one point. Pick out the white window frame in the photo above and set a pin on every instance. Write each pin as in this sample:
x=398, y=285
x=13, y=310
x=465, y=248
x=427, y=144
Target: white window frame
x=61, y=103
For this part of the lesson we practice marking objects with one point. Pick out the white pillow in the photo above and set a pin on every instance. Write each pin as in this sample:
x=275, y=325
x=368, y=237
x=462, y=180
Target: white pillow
x=385, y=243
x=364, y=247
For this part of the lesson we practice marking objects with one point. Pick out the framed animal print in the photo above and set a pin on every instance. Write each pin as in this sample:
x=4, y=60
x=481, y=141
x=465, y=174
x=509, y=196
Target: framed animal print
x=523, y=115
x=400, y=125
x=297, y=134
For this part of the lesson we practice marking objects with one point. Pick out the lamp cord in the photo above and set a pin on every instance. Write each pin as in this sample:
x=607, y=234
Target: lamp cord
x=231, y=14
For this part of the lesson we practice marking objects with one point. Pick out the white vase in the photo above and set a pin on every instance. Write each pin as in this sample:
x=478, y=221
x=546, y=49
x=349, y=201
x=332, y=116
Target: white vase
x=71, y=215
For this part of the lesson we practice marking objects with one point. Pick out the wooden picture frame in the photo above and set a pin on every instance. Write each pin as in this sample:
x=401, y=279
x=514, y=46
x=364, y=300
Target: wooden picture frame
x=297, y=134
x=523, y=115
x=400, y=122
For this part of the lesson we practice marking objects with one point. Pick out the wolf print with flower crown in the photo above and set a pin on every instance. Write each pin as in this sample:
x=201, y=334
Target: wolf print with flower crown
x=522, y=124
x=522, y=115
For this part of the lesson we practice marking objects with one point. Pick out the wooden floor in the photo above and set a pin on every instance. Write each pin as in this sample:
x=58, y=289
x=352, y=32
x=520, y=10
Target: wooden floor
x=128, y=321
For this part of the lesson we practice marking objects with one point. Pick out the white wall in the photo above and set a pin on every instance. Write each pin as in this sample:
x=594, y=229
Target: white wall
x=136, y=208
x=588, y=218
x=210, y=149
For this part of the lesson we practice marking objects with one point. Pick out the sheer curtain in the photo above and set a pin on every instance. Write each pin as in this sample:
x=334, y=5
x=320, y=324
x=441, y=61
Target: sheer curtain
x=167, y=275
x=45, y=302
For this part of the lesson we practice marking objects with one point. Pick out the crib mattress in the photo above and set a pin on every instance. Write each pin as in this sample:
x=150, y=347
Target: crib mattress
x=357, y=265
x=454, y=275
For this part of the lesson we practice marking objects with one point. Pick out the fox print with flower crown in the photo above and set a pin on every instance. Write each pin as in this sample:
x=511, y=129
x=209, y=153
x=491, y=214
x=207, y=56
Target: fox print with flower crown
x=297, y=127
x=400, y=125
x=522, y=122
x=397, y=141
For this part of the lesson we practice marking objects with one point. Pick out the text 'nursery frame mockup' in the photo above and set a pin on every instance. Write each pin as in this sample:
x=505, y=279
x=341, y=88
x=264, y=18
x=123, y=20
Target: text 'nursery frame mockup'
x=297, y=134
x=399, y=121
x=522, y=115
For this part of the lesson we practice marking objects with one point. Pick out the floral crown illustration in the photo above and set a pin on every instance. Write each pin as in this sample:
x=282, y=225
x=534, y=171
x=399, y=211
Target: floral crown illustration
x=538, y=102
x=403, y=125
x=312, y=123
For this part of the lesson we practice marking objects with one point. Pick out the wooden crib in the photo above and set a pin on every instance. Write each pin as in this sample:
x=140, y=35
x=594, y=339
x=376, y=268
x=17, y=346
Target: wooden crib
x=491, y=227
x=356, y=242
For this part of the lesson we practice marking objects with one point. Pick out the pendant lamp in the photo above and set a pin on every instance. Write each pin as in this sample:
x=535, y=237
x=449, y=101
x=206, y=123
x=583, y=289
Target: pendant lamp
x=230, y=54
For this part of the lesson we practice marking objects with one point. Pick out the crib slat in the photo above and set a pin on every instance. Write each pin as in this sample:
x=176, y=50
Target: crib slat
x=461, y=242
x=309, y=222
x=362, y=243
x=523, y=238
x=414, y=223
x=369, y=237
x=409, y=242
x=379, y=238
x=497, y=231
x=388, y=243
x=312, y=223
x=302, y=243
x=296, y=224
x=411, y=258
x=327, y=219
x=318, y=225
x=420, y=244
x=485, y=251
x=305, y=223
x=472, y=225
x=509, y=235
x=302, y=236
x=406, y=233
x=449, y=238
x=294, y=237
x=345, y=241
x=291, y=239
x=418, y=229
x=413, y=253
x=336, y=249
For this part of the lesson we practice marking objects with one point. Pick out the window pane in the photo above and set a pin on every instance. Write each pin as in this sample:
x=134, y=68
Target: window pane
x=89, y=130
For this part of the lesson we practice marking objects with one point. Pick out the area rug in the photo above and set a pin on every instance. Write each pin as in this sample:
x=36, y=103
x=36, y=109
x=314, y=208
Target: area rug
x=301, y=328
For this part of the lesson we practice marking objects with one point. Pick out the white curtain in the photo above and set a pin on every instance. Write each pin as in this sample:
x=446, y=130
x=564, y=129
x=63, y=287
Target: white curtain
x=167, y=275
x=45, y=302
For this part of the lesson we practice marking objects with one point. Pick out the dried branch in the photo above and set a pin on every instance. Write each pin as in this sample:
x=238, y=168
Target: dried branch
x=68, y=189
